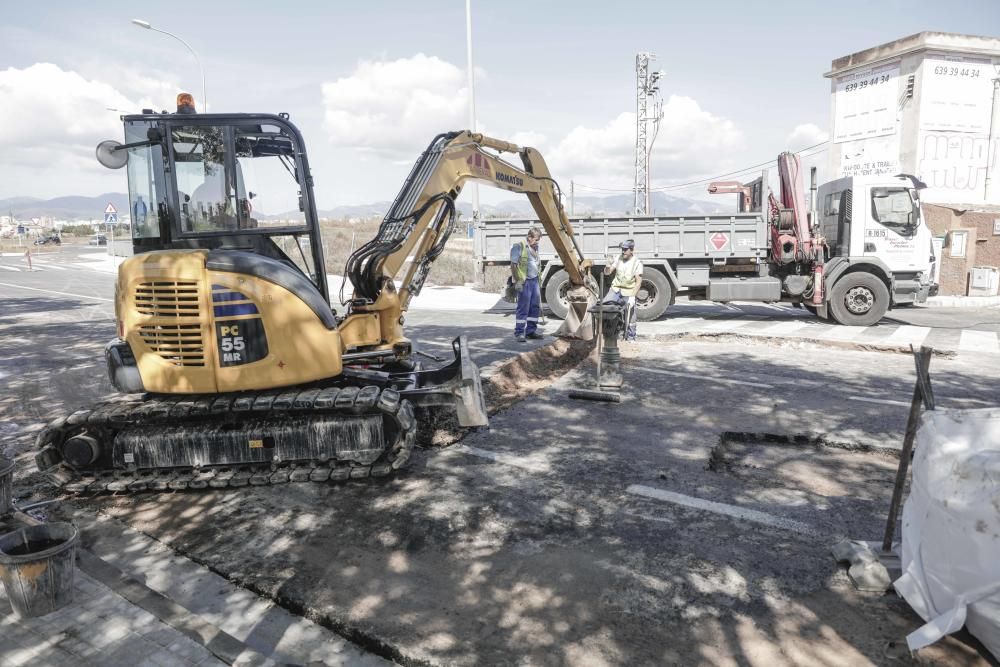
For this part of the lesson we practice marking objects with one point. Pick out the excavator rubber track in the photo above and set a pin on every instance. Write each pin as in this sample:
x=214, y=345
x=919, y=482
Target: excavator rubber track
x=320, y=426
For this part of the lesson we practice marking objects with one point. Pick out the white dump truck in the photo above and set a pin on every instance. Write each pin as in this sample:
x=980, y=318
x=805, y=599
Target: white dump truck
x=863, y=249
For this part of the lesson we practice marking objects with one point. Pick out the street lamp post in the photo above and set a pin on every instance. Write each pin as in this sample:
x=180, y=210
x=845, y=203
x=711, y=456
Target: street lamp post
x=147, y=26
x=472, y=98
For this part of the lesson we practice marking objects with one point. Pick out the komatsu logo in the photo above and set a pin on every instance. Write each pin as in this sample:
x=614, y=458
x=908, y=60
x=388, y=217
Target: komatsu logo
x=509, y=178
x=478, y=165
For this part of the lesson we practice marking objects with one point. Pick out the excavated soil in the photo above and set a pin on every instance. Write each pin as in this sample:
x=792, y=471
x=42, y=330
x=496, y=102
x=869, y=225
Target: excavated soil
x=509, y=382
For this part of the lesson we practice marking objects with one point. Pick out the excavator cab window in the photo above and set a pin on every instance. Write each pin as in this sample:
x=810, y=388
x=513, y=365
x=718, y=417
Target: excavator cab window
x=235, y=177
x=145, y=184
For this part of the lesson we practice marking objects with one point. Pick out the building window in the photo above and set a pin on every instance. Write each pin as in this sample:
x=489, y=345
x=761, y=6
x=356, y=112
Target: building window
x=959, y=240
x=996, y=227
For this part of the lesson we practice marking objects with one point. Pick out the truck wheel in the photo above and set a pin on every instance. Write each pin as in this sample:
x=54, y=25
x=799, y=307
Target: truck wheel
x=859, y=299
x=653, y=296
x=555, y=294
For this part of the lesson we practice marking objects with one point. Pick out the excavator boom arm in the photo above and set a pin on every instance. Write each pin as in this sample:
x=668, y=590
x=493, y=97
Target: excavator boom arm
x=422, y=216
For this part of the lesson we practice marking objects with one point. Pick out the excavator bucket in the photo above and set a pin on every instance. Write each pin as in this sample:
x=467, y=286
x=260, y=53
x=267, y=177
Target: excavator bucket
x=578, y=322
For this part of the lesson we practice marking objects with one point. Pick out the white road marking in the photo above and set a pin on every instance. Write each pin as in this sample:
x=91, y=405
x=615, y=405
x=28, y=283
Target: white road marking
x=95, y=266
x=907, y=334
x=978, y=341
x=773, y=307
x=48, y=291
x=781, y=328
x=882, y=401
x=842, y=332
x=734, y=511
x=729, y=306
x=677, y=322
x=50, y=266
x=9, y=268
x=533, y=462
x=727, y=325
x=705, y=378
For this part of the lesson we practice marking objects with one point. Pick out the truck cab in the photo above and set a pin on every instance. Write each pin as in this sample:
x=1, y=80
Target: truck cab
x=876, y=221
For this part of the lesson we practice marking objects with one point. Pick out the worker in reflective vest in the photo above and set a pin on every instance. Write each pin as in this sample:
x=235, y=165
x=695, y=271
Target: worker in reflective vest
x=524, y=272
x=628, y=277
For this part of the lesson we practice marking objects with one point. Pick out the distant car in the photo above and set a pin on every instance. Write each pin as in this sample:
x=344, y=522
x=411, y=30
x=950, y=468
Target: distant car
x=98, y=239
x=51, y=239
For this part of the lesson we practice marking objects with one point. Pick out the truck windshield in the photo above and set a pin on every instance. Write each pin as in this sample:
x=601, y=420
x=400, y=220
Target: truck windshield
x=895, y=208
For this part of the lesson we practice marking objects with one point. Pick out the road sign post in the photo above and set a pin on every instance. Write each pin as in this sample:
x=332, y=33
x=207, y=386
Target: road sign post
x=110, y=220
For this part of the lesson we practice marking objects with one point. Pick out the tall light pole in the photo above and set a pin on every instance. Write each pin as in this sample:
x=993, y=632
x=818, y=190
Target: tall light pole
x=472, y=99
x=147, y=26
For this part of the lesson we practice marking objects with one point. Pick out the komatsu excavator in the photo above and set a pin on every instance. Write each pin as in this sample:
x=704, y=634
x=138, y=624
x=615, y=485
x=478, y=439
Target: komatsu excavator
x=233, y=368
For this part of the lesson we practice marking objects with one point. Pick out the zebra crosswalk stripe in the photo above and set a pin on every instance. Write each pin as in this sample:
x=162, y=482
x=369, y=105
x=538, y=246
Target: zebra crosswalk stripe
x=907, y=334
x=782, y=328
x=727, y=325
x=841, y=332
x=978, y=341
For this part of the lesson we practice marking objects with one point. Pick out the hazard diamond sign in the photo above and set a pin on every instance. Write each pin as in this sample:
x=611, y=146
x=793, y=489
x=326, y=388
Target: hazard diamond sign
x=719, y=240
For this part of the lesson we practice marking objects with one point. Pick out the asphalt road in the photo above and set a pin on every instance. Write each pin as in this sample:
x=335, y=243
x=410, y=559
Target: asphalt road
x=688, y=524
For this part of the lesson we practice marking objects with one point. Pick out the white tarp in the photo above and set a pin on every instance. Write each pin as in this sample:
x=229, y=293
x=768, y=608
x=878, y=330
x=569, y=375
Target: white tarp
x=951, y=527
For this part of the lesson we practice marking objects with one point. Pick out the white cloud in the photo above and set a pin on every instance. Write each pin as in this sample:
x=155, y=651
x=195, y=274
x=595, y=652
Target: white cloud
x=805, y=135
x=44, y=104
x=690, y=141
x=395, y=108
x=53, y=118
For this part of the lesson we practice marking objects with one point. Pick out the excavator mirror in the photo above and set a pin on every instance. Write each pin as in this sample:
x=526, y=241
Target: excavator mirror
x=112, y=154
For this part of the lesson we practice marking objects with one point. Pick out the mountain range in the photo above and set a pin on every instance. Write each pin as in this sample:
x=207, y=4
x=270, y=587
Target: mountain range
x=92, y=208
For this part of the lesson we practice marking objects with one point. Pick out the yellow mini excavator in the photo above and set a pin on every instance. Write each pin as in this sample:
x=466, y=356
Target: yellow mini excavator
x=233, y=368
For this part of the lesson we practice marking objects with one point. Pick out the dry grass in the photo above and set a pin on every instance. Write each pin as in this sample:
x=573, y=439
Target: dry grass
x=455, y=266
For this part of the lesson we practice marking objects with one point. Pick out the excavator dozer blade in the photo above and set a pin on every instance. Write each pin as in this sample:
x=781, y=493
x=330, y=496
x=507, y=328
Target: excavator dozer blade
x=578, y=322
x=457, y=385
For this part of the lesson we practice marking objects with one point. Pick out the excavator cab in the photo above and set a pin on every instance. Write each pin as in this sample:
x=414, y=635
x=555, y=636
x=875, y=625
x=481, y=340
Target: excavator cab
x=237, y=181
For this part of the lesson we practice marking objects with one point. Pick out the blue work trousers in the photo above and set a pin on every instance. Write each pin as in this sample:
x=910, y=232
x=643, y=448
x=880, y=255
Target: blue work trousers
x=529, y=307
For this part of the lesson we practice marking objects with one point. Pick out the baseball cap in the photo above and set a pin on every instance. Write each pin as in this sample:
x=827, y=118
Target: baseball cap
x=628, y=245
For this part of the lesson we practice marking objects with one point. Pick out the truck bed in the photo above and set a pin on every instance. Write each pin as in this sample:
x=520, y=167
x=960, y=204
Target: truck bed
x=736, y=236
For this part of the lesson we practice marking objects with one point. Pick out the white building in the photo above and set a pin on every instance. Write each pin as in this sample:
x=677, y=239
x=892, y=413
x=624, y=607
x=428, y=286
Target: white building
x=928, y=105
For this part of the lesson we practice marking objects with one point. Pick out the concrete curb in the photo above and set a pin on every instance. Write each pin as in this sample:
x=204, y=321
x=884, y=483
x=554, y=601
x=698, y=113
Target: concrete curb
x=963, y=301
x=219, y=643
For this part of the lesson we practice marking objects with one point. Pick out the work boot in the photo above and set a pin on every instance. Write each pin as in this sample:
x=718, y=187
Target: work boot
x=520, y=339
x=534, y=335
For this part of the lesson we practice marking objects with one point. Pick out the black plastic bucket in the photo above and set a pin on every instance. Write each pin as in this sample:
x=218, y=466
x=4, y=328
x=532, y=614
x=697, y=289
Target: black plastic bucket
x=37, y=566
x=6, y=483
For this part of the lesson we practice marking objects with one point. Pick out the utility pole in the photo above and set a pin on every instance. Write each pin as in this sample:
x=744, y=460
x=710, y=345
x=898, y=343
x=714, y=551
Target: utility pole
x=646, y=126
x=472, y=100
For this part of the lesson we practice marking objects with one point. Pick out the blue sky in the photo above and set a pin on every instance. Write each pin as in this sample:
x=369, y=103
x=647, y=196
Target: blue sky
x=370, y=83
